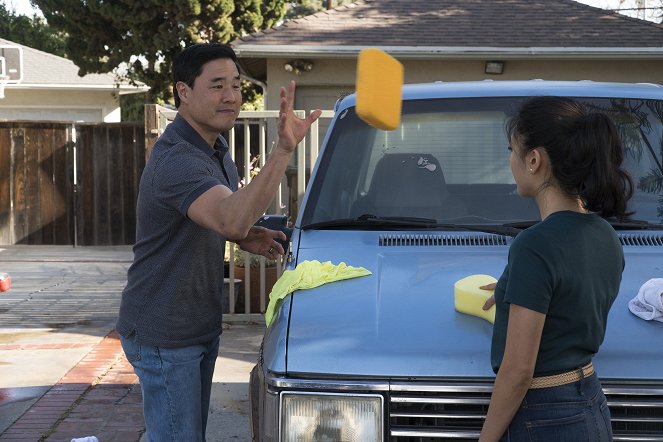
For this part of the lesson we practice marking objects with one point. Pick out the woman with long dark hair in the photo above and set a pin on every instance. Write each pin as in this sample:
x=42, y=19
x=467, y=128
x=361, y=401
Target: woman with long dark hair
x=562, y=276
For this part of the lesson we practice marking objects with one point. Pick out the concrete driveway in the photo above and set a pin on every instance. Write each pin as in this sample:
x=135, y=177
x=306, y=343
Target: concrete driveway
x=62, y=372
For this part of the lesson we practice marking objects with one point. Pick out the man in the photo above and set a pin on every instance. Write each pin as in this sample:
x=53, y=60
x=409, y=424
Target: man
x=188, y=206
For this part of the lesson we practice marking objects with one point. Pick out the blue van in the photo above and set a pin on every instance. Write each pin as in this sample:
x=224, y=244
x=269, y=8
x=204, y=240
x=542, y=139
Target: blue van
x=386, y=357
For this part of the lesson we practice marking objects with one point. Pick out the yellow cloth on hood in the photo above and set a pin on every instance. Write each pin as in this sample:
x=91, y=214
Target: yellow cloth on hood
x=307, y=275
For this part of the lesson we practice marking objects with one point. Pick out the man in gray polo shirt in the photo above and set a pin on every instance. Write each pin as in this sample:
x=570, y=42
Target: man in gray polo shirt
x=188, y=206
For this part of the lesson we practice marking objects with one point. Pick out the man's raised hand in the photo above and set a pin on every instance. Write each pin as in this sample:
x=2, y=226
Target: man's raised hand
x=292, y=129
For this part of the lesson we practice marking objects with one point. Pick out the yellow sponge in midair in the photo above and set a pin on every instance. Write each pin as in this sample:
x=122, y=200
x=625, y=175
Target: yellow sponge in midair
x=379, y=89
x=469, y=298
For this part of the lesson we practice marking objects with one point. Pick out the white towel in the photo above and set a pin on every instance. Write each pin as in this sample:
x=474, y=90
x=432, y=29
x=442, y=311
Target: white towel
x=648, y=304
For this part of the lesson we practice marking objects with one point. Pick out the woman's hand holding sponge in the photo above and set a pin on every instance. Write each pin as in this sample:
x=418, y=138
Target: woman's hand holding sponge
x=473, y=295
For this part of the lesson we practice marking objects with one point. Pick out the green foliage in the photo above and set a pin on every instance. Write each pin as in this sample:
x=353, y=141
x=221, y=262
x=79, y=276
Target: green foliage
x=132, y=107
x=30, y=31
x=143, y=36
x=241, y=258
x=252, y=98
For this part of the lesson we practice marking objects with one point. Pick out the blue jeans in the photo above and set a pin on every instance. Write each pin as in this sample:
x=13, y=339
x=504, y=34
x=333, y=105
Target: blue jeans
x=575, y=412
x=176, y=385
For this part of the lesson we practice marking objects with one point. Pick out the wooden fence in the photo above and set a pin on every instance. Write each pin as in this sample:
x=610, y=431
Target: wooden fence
x=77, y=184
x=109, y=162
x=64, y=183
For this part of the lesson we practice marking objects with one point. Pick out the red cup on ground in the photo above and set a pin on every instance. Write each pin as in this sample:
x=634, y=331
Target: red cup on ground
x=5, y=282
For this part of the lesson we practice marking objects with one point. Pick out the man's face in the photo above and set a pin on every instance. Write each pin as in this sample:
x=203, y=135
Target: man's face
x=212, y=104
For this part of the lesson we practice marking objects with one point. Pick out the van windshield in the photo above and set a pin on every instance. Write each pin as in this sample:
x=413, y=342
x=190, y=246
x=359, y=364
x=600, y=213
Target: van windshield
x=448, y=161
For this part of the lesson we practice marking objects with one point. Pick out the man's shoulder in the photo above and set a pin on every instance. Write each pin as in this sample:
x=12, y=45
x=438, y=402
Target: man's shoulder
x=179, y=139
x=171, y=137
x=171, y=144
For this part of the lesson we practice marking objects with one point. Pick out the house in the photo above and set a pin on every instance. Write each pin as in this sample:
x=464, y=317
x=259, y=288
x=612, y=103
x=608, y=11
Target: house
x=452, y=40
x=51, y=89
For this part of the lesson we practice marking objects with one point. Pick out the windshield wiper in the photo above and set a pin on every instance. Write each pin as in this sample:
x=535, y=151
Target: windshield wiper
x=522, y=224
x=498, y=230
x=369, y=220
x=634, y=224
x=373, y=220
x=397, y=219
x=627, y=224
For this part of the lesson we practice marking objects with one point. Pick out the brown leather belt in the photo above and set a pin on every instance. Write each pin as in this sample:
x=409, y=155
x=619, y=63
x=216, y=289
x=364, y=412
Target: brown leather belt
x=563, y=378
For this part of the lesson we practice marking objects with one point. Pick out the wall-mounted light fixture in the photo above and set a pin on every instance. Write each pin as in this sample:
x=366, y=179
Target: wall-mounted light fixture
x=298, y=66
x=494, y=67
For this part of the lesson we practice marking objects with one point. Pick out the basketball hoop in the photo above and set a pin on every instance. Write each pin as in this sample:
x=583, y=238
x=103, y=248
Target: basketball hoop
x=4, y=79
x=11, y=66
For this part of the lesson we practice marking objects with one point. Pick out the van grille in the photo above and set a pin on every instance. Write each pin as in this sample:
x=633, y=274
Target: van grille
x=422, y=240
x=455, y=411
x=419, y=240
x=638, y=239
x=636, y=411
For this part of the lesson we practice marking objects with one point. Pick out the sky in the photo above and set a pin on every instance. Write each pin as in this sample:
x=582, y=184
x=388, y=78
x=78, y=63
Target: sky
x=24, y=7
x=612, y=4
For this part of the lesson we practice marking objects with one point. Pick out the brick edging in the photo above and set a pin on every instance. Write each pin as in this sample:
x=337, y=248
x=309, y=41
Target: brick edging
x=43, y=417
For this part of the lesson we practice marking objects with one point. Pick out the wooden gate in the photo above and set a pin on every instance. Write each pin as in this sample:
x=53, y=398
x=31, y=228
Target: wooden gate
x=110, y=158
x=69, y=184
x=36, y=190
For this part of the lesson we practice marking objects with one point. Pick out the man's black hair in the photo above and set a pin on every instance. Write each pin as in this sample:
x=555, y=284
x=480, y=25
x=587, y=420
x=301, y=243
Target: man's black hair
x=189, y=63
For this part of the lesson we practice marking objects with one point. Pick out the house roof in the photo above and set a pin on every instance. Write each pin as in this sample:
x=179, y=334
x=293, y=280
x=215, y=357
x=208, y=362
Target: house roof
x=42, y=70
x=459, y=29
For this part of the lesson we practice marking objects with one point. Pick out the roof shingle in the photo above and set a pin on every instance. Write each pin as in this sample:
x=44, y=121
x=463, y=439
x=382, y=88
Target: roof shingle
x=464, y=23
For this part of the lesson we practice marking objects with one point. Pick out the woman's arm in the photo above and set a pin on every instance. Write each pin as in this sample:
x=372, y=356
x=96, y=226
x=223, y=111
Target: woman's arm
x=514, y=377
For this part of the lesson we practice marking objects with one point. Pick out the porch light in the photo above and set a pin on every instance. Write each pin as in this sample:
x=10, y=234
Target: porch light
x=494, y=67
x=298, y=66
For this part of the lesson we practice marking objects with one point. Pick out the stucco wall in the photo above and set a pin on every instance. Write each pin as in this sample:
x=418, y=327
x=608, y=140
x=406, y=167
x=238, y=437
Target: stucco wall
x=330, y=78
x=338, y=76
x=59, y=105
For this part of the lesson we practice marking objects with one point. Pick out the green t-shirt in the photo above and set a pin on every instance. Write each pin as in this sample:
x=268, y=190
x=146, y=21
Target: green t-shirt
x=568, y=267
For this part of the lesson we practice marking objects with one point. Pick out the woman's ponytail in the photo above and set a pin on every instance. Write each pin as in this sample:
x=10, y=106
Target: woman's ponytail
x=605, y=187
x=584, y=148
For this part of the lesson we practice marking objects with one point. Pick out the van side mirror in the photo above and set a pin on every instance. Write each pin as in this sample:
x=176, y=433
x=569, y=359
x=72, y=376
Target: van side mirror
x=277, y=222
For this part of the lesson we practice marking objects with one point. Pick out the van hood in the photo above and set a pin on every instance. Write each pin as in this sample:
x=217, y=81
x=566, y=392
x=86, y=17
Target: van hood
x=401, y=322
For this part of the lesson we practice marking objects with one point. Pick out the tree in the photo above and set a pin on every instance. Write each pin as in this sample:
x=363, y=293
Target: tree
x=142, y=37
x=30, y=31
x=643, y=9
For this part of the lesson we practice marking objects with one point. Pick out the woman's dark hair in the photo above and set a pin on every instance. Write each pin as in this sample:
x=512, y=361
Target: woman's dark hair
x=189, y=63
x=584, y=148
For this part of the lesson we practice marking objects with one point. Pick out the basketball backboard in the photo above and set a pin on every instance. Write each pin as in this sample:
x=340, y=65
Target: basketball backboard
x=11, y=66
x=11, y=63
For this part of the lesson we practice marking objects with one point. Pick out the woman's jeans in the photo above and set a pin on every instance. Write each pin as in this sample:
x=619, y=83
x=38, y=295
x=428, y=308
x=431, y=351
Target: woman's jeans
x=576, y=412
x=176, y=384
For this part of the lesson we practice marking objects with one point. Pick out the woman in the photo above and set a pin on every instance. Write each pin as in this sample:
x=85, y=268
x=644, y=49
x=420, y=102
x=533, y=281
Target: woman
x=562, y=276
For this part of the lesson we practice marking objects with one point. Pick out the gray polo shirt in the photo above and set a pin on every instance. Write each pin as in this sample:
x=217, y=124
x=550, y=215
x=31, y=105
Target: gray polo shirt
x=174, y=286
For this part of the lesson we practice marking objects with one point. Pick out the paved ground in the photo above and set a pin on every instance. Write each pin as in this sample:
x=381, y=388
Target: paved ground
x=62, y=371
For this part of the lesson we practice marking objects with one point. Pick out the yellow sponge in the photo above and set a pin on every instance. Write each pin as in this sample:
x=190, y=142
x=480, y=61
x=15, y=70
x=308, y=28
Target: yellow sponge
x=469, y=298
x=379, y=89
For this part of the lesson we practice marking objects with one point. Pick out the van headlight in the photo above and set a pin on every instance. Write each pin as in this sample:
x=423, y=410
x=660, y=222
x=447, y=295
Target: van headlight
x=330, y=417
